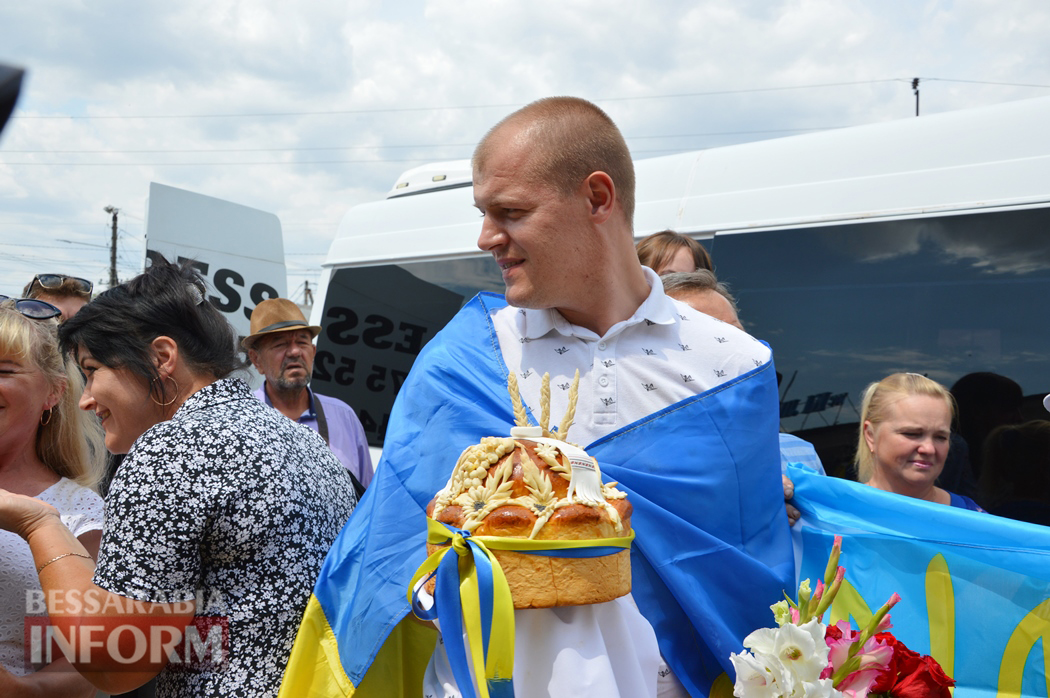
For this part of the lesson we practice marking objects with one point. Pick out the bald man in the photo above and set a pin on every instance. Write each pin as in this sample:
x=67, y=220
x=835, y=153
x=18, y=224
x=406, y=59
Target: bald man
x=554, y=183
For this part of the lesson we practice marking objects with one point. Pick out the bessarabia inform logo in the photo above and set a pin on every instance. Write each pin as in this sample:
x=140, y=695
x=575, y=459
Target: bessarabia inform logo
x=92, y=628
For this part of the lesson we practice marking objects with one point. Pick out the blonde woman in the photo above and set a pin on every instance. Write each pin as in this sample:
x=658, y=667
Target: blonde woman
x=50, y=450
x=904, y=435
x=221, y=513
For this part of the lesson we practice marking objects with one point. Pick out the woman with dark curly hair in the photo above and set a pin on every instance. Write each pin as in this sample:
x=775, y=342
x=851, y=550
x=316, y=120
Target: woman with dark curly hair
x=216, y=522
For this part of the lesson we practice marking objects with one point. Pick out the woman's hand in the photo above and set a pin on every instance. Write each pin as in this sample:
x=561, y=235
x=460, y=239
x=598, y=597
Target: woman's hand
x=22, y=515
x=56, y=680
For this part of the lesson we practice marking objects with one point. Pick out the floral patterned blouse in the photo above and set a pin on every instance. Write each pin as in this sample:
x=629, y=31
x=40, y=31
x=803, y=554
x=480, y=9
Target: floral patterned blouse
x=232, y=504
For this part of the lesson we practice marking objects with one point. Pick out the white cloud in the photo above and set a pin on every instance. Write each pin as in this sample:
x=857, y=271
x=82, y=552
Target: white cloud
x=450, y=70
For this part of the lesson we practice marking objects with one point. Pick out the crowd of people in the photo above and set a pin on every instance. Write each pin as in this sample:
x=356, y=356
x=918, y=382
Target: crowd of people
x=222, y=507
x=224, y=504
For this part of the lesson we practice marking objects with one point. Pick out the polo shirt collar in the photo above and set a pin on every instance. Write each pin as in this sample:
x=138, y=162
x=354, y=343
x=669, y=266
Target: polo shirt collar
x=657, y=308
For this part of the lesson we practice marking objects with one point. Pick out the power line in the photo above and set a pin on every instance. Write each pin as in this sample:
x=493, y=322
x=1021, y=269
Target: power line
x=390, y=147
x=295, y=163
x=36, y=246
x=396, y=110
x=215, y=164
x=987, y=82
x=250, y=150
x=47, y=221
x=292, y=225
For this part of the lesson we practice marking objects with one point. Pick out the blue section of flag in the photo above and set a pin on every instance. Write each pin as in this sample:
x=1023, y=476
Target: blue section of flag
x=447, y=603
x=703, y=475
x=991, y=619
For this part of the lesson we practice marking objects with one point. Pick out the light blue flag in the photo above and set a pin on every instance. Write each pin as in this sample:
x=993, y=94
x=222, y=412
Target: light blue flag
x=975, y=588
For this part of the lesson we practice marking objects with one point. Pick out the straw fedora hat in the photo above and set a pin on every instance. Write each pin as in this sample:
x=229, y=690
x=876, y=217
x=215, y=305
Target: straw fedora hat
x=276, y=315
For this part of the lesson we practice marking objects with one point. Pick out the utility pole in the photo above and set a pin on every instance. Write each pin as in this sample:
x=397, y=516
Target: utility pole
x=113, y=247
x=915, y=86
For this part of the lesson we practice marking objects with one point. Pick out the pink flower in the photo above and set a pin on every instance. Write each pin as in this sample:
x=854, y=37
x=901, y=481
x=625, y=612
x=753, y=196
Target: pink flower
x=884, y=624
x=858, y=668
x=838, y=653
x=846, y=630
x=859, y=683
x=875, y=654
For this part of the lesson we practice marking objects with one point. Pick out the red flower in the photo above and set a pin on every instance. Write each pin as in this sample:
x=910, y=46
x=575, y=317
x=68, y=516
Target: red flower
x=927, y=679
x=901, y=654
x=910, y=675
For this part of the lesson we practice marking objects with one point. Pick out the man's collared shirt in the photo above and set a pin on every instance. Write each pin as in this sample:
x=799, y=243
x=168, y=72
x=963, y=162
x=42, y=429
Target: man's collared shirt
x=346, y=436
x=664, y=353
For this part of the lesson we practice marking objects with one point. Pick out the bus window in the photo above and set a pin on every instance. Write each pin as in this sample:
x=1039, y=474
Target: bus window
x=377, y=319
x=846, y=305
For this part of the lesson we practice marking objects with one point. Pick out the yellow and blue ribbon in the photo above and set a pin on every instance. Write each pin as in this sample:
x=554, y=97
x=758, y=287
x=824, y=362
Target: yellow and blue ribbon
x=483, y=602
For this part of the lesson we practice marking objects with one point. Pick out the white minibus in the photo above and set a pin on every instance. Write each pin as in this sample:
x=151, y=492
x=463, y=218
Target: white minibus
x=915, y=245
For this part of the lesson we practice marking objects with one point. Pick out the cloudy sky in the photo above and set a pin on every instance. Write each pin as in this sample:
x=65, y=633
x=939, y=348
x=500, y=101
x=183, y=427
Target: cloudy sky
x=306, y=109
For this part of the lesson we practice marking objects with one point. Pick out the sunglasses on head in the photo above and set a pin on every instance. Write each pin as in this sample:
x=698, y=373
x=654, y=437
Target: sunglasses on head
x=53, y=281
x=33, y=308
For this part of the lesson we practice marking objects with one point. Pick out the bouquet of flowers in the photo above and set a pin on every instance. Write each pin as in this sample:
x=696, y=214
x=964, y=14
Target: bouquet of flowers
x=803, y=658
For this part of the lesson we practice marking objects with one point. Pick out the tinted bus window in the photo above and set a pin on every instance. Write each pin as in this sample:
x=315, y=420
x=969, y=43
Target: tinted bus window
x=377, y=319
x=846, y=305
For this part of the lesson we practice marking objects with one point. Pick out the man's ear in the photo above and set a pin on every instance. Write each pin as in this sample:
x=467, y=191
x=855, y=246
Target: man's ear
x=601, y=194
x=253, y=356
x=165, y=354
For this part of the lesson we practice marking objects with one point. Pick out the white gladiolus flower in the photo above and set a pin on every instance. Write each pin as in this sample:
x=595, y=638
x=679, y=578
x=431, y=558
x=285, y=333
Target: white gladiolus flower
x=821, y=688
x=756, y=677
x=762, y=641
x=786, y=663
x=801, y=650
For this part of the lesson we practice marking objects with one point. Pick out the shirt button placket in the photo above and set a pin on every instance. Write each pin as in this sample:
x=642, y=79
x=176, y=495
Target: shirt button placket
x=606, y=408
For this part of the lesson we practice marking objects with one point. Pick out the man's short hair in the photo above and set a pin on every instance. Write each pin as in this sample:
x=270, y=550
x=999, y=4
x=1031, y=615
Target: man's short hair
x=573, y=138
x=681, y=282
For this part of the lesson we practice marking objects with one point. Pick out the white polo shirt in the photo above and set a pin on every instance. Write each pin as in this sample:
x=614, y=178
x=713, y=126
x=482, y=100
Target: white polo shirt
x=663, y=354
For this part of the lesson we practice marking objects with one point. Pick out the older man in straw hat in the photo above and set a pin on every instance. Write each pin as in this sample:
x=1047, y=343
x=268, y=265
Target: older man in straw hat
x=281, y=348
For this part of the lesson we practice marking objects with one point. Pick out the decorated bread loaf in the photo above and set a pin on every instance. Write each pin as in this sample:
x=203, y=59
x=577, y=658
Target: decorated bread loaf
x=533, y=485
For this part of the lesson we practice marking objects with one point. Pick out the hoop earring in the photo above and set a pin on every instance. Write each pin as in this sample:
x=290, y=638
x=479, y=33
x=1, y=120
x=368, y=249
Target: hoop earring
x=173, y=399
x=45, y=422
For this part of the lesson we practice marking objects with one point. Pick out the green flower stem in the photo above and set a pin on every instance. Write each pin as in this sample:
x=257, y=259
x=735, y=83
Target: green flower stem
x=830, y=591
x=833, y=562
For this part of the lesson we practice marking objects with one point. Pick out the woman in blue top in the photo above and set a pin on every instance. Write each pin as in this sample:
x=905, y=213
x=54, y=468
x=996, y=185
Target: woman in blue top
x=905, y=430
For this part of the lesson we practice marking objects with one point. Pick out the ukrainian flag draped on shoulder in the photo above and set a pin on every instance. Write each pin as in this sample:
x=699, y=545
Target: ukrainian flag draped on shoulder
x=975, y=588
x=712, y=548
